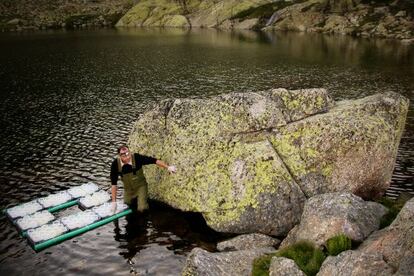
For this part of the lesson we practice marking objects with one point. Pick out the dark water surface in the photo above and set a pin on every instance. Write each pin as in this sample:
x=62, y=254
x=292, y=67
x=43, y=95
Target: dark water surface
x=69, y=98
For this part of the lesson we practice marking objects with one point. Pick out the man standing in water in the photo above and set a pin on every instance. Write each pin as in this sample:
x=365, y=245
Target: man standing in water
x=128, y=166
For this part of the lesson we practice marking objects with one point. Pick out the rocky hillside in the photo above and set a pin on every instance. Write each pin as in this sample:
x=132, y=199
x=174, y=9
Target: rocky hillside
x=368, y=18
x=379, y=18
x=17, y=15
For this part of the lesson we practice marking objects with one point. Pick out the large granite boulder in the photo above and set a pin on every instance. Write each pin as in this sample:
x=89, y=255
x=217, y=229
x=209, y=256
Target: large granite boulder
x=202, y=262
x=247, y=161
x=327, y=215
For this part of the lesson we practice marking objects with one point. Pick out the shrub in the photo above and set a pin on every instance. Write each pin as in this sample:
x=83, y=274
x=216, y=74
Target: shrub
x=337, y=244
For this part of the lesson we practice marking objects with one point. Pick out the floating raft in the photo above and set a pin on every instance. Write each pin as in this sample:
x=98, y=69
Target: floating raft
x=35, y=219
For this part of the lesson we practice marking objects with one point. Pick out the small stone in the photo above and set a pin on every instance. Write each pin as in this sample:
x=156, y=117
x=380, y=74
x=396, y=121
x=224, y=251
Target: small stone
x=248, y=241
x=280, y=266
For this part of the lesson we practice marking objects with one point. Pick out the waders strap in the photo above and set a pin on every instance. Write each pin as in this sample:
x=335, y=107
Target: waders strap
x=118, y=159
x=134, y=165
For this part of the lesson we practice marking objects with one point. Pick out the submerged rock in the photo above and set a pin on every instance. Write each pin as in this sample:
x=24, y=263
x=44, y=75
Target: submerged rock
x=202, y=262
x=328, y=215
x=247, y=161
x=248, y=241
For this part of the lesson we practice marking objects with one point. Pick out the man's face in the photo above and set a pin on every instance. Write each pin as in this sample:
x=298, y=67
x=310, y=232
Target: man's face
x=125, y=155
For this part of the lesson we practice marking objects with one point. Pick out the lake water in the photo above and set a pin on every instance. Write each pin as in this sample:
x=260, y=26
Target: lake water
x=68, y=99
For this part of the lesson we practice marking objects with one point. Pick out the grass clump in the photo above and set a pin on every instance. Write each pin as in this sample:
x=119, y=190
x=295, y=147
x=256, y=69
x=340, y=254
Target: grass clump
x=308, y=257
x=337, y=244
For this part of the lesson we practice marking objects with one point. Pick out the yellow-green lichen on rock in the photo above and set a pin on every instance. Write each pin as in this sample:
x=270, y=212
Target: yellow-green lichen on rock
x=352, y=147
x=170, y=13
x=152, y=13
x=215, y=14
x=246, y=161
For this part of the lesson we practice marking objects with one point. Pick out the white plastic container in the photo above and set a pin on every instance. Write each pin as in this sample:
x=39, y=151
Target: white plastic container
x=24, y=209
x=80, y=219
x=83, y=190
x=94, y=199
x=46, y=232
x=105, y=210
x=55, y=199
x=34, y=220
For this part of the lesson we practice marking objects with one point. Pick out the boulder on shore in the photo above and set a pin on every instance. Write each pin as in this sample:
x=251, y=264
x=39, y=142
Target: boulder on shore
x=395, y=242
x=327, y=215
x=248, y=161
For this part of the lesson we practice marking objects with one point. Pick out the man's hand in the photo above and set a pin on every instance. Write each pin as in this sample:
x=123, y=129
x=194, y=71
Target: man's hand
x=113, y=207
x=172, y=169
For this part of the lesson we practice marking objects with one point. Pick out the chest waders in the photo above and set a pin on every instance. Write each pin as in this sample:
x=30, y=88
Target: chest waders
x=135, y=186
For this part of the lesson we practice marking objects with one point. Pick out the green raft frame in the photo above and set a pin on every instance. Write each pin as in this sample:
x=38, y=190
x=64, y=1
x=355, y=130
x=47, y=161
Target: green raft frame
x=42, y=245
x=53, y=241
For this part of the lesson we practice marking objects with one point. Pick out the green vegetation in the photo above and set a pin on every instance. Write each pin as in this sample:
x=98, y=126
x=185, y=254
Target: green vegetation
x=261, y=265
x=394, y=207
x=308, y=257
x=337, y=244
